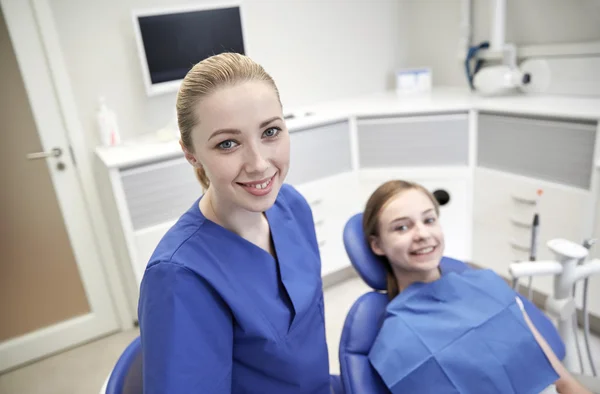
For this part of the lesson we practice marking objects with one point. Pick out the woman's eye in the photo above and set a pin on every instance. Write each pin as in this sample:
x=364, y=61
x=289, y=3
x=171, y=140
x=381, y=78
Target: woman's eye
x=228, y=144
x=401, y=228
x=430, y=220
x=271, y=132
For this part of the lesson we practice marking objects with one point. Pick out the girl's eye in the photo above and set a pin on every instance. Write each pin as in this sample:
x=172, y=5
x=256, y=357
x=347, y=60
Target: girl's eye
x=271, y=132
x=226, y=145
x=430, y=220
x=401, y=228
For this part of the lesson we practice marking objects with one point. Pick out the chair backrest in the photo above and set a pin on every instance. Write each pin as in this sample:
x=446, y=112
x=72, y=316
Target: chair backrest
x=126, y=376
x=366, y=315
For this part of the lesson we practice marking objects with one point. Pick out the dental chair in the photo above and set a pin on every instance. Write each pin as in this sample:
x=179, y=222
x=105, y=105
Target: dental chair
x=366, y=315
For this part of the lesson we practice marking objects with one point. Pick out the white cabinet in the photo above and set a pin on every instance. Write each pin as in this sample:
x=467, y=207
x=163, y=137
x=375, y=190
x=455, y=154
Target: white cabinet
x=148, y=200
x=525, y=166
x=413, y=141
x=503, y=213
x=333, y=201
x=554, y=150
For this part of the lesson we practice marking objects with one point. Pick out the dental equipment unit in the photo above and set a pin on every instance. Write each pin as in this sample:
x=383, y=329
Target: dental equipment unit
x=568, y=269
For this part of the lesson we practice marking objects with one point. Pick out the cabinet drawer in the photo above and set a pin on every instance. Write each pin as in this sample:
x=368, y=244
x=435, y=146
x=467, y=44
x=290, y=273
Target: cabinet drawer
x=159, y=192
x=501, y=222
x=413, y=141
x=319, y=152
x=556, y=151
x=332, y=204
x=490, y=249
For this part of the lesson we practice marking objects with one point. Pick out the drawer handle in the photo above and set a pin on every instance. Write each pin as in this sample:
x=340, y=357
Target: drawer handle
x=519, y=247
x=524, y=200
x=319, y=222
x=322, y=243
x=520, y=223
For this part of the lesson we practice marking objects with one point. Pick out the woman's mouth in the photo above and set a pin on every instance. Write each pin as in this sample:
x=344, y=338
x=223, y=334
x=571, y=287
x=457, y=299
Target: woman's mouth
x=259, y=188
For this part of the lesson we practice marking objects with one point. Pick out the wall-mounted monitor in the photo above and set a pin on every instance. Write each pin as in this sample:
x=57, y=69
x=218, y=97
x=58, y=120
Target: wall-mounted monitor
x=171, y=40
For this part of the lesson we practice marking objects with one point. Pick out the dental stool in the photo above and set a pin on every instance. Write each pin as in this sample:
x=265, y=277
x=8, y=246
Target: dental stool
x=126, y=376
x=366, y=315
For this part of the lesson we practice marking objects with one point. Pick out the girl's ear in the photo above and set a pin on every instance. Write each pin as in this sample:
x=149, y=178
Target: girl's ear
x=374, y=243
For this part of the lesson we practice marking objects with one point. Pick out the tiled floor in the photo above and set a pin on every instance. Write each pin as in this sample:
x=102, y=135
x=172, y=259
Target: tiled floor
x=83, y=370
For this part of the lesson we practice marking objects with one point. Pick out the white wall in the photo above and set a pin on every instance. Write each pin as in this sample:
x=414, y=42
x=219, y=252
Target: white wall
x=532, y=22
x=433, y=38
x=434, y=29
x=316, y=50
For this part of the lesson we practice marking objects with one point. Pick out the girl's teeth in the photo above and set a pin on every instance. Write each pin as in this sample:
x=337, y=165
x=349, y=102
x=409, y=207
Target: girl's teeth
x=425, y=251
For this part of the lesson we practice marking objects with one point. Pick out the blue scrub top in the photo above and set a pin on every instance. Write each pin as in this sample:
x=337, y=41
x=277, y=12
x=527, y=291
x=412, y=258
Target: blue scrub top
x=219, y=314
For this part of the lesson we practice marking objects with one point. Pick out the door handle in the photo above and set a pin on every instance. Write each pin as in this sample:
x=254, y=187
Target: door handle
x=55, y=152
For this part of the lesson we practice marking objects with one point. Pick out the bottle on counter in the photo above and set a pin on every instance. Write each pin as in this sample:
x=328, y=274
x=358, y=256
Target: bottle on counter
x=107, y=125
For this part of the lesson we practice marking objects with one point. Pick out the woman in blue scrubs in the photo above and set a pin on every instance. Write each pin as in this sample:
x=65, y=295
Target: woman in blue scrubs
x=231, y=300
x=436, y=337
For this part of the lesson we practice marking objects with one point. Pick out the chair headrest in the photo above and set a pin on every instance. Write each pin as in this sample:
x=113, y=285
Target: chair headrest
x=361, y=256
x=368, y=265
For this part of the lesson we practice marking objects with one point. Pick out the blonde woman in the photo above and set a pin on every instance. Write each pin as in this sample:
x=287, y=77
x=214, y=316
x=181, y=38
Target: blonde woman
x=231, y=300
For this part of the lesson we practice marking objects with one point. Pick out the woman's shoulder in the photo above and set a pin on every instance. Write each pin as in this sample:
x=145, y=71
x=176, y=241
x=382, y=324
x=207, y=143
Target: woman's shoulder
x=189, y=243
x=179, y=236
x=185, y=253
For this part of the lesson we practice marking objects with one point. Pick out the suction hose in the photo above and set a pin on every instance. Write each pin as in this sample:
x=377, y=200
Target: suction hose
x=586, y=327
x=576, y=332
x=588, y=243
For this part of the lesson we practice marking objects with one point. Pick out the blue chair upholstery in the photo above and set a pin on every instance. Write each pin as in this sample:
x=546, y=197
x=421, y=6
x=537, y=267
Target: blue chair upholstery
x=126, y=376
x=366, y=315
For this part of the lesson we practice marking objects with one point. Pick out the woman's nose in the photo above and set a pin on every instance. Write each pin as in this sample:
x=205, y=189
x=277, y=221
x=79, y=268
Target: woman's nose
x=256, y=161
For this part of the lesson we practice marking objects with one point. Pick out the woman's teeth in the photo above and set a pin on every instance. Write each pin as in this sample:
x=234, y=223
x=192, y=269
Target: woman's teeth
x=260, y=185
x=424, y=251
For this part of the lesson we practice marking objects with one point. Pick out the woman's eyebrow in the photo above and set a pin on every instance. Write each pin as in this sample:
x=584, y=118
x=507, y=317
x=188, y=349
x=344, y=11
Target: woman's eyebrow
x=236, y=131
x=224, y=131
x=266, y=122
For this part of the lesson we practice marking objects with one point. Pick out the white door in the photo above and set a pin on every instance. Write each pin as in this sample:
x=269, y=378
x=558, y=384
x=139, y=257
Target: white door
x=53, y=292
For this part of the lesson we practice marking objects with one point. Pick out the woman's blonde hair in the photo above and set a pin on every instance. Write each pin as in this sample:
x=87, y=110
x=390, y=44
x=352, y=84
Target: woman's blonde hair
x=378, y=200
x=204, y=78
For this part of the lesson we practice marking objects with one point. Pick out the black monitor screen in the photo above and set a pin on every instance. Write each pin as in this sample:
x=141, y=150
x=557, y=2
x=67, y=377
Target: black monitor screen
x=175, y=42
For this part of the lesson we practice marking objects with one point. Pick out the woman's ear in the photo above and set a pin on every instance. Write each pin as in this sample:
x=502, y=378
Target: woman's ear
x=189, y=156
x=375, y=247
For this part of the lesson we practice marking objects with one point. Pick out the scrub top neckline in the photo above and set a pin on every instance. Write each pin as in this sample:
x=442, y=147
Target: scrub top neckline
x=277, y=259
x=234, y=234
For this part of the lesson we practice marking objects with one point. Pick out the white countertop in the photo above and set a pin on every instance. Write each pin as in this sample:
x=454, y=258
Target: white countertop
x=440, y=100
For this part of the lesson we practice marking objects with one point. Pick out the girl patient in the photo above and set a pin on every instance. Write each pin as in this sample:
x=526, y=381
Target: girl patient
x=449, y=332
